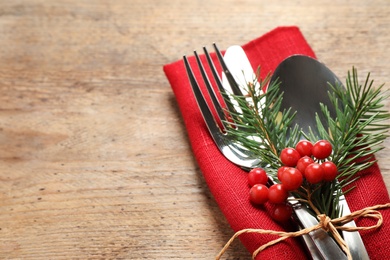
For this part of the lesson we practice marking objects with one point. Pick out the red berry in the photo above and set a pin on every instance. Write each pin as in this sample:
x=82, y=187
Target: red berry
x=257, y=176
x=282, y=212
x=277, y=193
x=303, y=163
x=321, y=149
x=280, y=172
x=258, y=194
x=314, y=173
x=289, y=157
x=330, y=170
x=304, y=148
x=292, y=179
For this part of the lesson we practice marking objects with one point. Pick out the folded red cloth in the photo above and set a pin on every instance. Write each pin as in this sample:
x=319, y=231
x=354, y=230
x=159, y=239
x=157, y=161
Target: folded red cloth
x=228, y=183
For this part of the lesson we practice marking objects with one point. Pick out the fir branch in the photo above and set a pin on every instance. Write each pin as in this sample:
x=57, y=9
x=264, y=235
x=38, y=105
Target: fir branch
x=258, y=124
x=360, y=126
x=356, y=133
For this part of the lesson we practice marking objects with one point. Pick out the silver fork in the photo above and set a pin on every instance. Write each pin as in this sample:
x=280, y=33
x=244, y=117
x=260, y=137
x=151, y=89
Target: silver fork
x=319, y=243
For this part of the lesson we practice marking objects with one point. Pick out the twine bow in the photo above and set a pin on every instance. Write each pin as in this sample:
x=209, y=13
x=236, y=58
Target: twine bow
x=326, y=223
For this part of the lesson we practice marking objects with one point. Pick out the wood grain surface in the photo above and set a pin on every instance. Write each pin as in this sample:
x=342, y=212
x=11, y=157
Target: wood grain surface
x=94, y=157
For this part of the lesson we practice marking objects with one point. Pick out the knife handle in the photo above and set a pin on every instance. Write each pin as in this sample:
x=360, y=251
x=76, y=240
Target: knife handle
x=325, y=244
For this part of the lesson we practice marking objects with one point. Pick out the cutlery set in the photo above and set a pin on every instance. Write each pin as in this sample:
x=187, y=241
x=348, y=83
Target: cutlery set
x=299, y=76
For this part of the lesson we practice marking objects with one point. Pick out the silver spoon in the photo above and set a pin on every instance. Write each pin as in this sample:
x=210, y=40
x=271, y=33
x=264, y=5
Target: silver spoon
x=305, y=83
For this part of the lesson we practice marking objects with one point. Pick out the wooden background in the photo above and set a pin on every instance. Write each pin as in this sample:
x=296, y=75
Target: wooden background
x=94, y=158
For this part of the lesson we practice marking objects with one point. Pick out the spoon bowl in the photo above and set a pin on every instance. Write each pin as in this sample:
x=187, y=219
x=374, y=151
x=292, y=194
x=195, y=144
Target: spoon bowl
x=304, y=82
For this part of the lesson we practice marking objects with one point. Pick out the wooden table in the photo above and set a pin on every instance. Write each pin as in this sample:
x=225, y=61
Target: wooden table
x=95, y=160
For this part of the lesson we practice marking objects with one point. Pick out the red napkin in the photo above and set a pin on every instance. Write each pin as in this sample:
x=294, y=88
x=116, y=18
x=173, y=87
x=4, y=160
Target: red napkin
x=228, y=183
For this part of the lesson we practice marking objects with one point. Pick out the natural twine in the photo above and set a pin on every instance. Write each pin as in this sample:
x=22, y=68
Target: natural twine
x=329, y=225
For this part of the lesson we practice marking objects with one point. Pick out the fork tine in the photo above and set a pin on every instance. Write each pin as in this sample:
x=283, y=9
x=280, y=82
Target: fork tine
x=217, y=79
x=208, y=117
x=210, y=90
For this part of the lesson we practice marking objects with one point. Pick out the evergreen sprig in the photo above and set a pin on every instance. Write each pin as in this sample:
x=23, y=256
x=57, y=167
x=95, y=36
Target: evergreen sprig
x=258, y=124
x=360, y=127
x=356, y=133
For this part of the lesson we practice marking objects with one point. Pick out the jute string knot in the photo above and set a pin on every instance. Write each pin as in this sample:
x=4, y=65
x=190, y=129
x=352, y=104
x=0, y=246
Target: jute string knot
x=325, y=221
x=329, y=225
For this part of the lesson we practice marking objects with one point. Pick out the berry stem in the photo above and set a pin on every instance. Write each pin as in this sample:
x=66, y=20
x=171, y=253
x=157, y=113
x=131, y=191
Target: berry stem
x=310, y=202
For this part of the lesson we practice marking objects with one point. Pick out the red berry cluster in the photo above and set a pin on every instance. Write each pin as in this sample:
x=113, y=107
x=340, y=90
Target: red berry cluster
x=276, y=194
x=304, y=162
